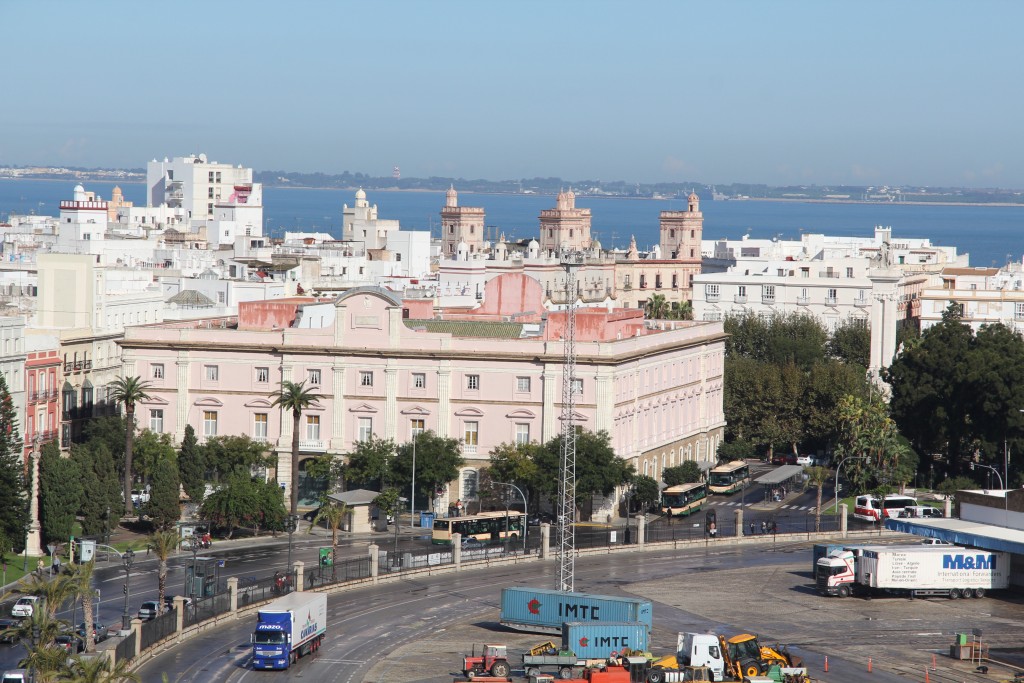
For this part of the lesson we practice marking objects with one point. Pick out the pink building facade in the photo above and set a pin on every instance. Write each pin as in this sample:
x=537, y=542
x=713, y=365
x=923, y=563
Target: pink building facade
x=484, y=377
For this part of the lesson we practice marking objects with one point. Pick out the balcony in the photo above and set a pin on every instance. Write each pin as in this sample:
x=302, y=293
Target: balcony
x=42, y=396
x=803, y=300
x=831, y=301
x=77, y=366
x=313, y=445
x=769, y=300
x=862, y=302
x=712, y=298
x=740, y=299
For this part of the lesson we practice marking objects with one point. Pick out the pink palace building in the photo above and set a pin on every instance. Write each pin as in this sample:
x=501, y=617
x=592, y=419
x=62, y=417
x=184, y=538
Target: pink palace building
x=484, y=375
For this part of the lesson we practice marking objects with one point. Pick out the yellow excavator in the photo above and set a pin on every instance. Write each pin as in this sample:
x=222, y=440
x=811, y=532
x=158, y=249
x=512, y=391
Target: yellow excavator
x=747, y=657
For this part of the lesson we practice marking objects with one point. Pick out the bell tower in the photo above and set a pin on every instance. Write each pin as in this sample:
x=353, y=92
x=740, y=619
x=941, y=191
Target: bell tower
x=460, y=224
x=682, y=231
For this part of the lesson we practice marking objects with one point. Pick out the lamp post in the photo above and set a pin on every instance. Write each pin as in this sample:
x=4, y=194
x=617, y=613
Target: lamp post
x=412, y=485
x=838, y=468
x=194, y=547
x=989, y=467
x=526, y=521
x=127, y=558
x=291, y=524
x=398, y=507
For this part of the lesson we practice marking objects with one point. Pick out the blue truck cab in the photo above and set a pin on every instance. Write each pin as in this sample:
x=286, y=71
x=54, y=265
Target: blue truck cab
x=287, y=629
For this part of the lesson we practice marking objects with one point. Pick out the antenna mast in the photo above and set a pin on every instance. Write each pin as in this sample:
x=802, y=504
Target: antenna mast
x=571, y=261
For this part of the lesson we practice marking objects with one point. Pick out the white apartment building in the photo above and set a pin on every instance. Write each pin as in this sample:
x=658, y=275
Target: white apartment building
x=361, y=224
x=985, y=296
x=12, y=362
x=195, y=185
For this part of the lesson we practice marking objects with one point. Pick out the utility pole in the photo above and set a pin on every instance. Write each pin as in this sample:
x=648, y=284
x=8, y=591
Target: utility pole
x=571, y=261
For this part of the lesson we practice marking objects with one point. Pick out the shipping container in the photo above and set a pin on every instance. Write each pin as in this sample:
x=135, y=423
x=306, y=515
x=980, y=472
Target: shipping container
x=597, y=640
x=539, y=610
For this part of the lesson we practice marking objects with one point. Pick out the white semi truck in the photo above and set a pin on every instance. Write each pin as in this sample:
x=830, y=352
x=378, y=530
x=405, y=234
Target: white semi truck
x=916, y=570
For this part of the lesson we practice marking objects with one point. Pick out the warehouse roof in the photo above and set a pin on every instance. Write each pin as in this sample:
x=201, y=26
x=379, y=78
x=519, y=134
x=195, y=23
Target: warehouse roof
x=962, y=532
x=780, y=475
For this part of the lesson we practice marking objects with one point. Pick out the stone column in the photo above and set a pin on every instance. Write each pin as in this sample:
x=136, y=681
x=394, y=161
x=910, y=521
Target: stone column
x=391, y=403
x=299, y=574
x=233, y=591
x=604, y=416
x=181, y=399
x=136, y=628
x=179, y=614
x=338, y=409
x=444, y=402
x=374, y=561
x=739, y=522
x=842, y=519
x=34, y=542
x=884, y=311
x=947, y=507
x=457, y=551
x=545, y=541
x=639, y=532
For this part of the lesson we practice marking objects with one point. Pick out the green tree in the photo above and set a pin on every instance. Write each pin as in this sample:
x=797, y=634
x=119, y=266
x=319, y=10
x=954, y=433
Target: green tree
x=438, y=460
x=101, y=487
x=598, y=469
x=163, y=544
x=128, y=391
x=60, y=494
x=192, y=466
x=515, y=464
x=99, y=670
x=294, y=398
x=657, y=308
x=80, y=578
x=818, y=477
x=851, y=343
x=13, y=489
x=684, y=473
x=867, y=432
x=387, y=502
x=369, y=465
x=332, y=513
x=329, y=468
x=244, y=501
x=110, y=429
x=164, y=506
x=228, y=455
x=148, y=449
x=645, y=491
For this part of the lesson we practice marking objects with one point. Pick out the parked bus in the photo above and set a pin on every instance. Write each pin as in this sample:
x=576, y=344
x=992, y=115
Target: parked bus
x=729, y=478
x=871, y=509
x=487, y=527
x=682, y=500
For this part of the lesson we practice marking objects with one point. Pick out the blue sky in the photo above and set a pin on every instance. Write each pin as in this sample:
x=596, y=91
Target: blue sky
x=899, y=93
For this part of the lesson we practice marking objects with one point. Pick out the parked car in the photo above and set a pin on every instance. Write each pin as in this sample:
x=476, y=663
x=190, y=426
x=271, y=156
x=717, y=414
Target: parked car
x=71, y=643
x=784, y=459
x=805, y=460
x=139, y=496
x=9, y=630
x=538, y=518
x=99, y=632
x=149, y=609
x=24, y=607
x=169, y=601
x=935, y=541
x=17, y=676
x=472, y=544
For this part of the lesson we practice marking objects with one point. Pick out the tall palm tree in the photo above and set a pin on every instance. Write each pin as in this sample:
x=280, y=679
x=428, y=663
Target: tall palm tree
x=129, y=391
x=98, y=670
x=52, y=592
x=163, y=543
x=81, y=578
x=47, y=661
x=657, y=307
x=817, y=477
x=334, y=514
x=296, y=398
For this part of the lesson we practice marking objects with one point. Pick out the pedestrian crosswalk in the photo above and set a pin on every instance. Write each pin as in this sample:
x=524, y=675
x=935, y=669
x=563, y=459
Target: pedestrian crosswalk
x=794, y=508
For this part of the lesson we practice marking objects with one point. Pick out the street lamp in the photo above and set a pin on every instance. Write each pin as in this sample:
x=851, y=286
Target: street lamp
x=989, y=467
x=412, y=485
x=291, y=524
x=526, y=521
x=398, y=507
x=127, y=558
x=839, y=467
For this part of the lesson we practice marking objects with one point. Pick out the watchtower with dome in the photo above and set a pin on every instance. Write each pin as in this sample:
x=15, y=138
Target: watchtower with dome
x=565, y=226
x=460, y=224
x=681, y=231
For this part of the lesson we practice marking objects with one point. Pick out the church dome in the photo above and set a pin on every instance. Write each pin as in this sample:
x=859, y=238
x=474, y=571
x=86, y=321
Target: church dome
x=360, y=194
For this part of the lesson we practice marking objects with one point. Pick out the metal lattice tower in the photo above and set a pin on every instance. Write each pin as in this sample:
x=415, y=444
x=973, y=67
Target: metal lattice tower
x=571, y=262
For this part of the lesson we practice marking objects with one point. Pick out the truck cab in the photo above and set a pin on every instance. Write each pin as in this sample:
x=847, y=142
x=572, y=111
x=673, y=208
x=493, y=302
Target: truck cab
x=836, y=573
x=271, y=643
x=701, y=649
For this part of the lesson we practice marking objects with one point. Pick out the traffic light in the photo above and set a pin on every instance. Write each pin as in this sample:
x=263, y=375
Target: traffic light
x=972, y=466
x=124, y=588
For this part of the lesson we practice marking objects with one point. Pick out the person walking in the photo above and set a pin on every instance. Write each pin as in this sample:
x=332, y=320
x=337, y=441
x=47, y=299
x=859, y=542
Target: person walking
x=458, y=508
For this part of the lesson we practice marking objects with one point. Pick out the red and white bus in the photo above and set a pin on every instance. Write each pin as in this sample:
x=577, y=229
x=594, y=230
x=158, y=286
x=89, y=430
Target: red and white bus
x=871, y=509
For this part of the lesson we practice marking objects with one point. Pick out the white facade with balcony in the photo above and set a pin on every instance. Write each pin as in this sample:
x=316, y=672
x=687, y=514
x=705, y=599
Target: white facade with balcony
x=985, y=295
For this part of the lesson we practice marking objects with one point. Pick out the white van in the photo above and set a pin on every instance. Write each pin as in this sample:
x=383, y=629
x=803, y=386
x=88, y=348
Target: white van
x=871, y=509
x=921, y=511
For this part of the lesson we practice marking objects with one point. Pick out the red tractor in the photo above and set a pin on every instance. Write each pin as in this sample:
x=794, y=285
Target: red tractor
x=493, y=661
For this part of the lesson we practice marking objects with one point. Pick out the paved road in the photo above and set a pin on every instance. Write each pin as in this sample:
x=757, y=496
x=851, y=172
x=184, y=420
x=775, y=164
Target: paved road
x=414, y=630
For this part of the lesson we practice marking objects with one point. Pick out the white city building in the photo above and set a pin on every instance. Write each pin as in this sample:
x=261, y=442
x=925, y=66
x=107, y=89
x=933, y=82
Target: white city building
x=985, y=296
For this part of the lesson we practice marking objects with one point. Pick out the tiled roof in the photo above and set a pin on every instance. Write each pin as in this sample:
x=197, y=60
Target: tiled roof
x=190, y=298
x=469, y=328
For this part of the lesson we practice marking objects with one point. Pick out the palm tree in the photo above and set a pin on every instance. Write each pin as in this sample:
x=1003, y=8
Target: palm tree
x=129, y=391
x=163, y=543
x=98, y=670
x=53, y=593
x=657, y=307
x=817, y=477
x=81, y=578
x=47, y=661
x=333, y=514
x=296, y=398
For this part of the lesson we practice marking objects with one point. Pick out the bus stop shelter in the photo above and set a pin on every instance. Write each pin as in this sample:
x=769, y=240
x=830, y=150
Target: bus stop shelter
x=778, y=480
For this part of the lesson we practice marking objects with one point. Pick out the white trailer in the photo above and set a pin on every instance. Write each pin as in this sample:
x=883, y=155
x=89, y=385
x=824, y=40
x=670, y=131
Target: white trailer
x=917, y=570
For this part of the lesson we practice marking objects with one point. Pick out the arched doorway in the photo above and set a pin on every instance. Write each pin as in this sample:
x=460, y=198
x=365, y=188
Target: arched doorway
x=310, y=487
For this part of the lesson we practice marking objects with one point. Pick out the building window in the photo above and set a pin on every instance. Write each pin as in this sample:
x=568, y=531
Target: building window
x=522, y=433
x=259, y=426
x=365, y=428
x=416, y=427
x=1018, y=311
x=419, y=380
x=849, y=272
x=523, y=384
x=742, y=290
x=469, y=484
x=211, y=372
x=158, y=370
x=831, y=296
x=365, y=379
x=471, y=437
x=156, y=420
x=312, y=427
x=711, y=292
x=209, y=423
x=314, y=377
x=768, y=293
x=262, y=375
x=473, y=382
x=577, y=387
